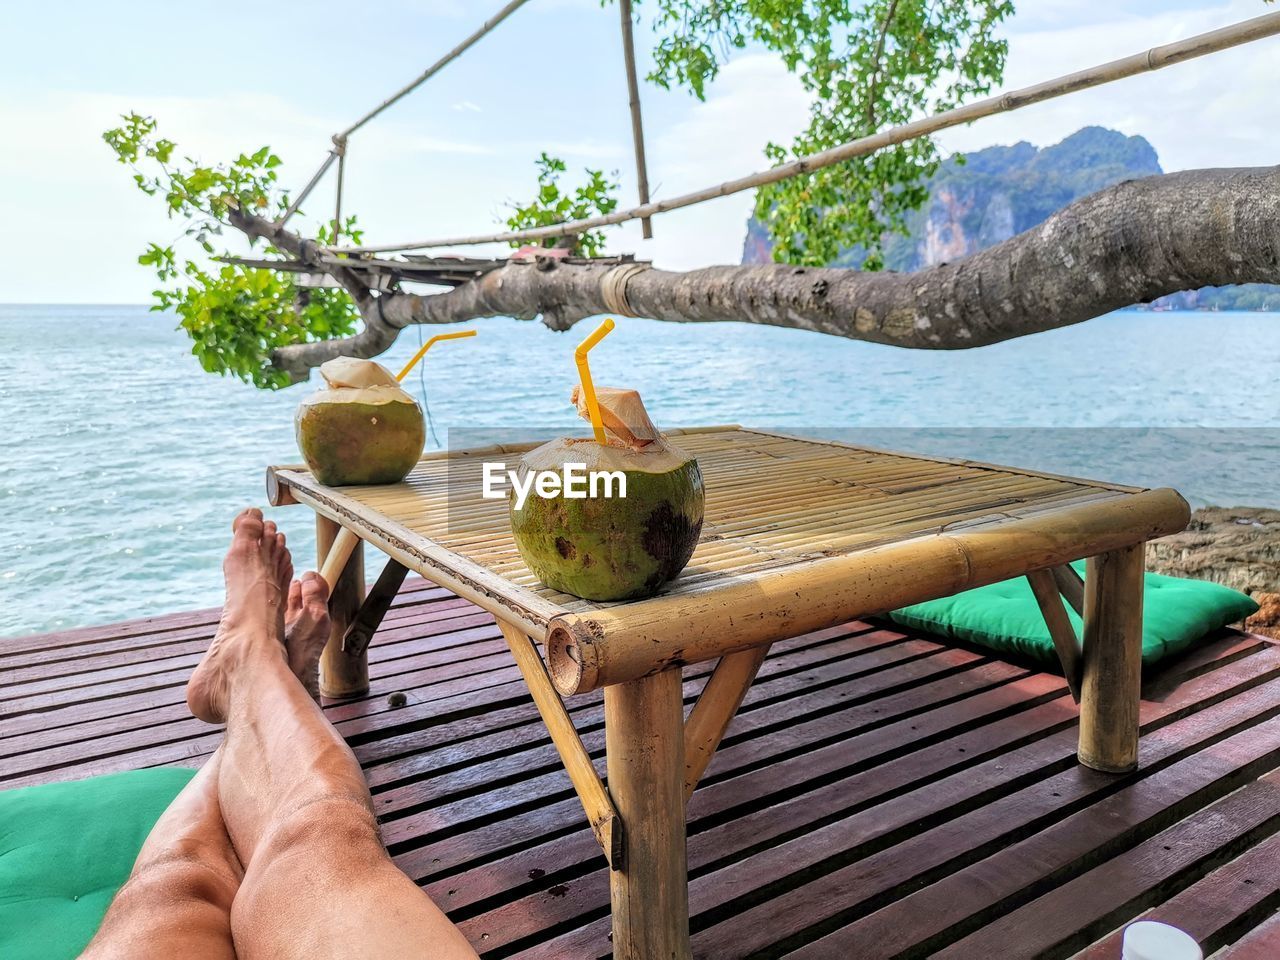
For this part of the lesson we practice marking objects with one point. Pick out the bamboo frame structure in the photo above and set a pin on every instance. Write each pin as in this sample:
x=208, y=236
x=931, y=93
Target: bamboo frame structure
x=374, y=607
x=1146, y=61
x=1070, y=586
x=644, y=747
x=582, y=772
x=602, y=647
x=337, y=200
x=716, y=706
x=340, y=139
x=1112, y=675
x=1061, y=631
x=799, y=535
x=633, y=103
x=344, y=672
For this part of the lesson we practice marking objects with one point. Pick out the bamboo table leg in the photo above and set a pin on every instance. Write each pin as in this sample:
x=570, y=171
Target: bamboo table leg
x=644, y=743
x=1110, y=689
x=343, y=674
x=715, y=708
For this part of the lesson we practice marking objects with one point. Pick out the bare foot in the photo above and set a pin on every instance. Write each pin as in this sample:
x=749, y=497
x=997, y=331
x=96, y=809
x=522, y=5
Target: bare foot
x=252, y=622
x=306, y=629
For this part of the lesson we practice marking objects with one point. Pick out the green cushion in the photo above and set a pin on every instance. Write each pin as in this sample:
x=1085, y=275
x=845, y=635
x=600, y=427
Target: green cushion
x=65, y=848
x=1004, y=616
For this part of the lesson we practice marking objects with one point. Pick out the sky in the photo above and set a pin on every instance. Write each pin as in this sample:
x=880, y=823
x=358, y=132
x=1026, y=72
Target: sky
x=231, y=77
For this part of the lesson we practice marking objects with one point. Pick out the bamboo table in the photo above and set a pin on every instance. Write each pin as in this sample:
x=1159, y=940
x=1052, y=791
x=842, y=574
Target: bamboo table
x=799, y=535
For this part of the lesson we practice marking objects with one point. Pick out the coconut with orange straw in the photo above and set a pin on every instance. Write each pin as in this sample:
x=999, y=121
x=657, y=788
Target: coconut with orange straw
x=362, y=427
x=637, y=519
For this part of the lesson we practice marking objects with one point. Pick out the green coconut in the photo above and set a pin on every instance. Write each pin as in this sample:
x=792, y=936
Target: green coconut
x=361, y=427
x=612, y=548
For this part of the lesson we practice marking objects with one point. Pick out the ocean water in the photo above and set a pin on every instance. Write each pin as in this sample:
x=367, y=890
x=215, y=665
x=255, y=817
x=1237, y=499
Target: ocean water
x=124, y=463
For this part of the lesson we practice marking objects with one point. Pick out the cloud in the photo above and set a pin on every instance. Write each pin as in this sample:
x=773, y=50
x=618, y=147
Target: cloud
x=587, y=148
x=1218, y=110
x=66, y=191
x=466, y=105
x=440, y=145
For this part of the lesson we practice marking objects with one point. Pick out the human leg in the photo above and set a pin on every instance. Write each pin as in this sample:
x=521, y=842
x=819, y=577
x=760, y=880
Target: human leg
x=177, y=901
x=318, y=881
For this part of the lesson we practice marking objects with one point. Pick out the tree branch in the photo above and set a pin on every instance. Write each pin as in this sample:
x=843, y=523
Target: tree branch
x=1127, y=244
x=377, y=335
x=876, y=65
x=256, y=227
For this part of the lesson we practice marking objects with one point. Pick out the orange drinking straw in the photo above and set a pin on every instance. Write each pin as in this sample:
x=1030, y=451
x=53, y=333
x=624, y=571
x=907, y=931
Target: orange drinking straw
x=427, y=346
x=584, y=374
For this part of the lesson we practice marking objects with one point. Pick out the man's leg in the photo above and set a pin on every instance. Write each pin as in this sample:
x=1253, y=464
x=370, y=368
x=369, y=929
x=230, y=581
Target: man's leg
x=318, y=882
x=178, y=899
x=177, y=902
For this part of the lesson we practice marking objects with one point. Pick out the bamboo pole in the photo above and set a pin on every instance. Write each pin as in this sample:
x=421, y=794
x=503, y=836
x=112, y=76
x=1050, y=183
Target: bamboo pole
x=340, y=139
x=1110, y=691
x=1070, y=586
x=311, y=185
x=623, y=642
x=1155, y=58
x=337, y=202
x=637, y=124
x=436, y=67
x=1061, y=631
x=374, y=608
x=336, y=555
x=577, y=763
x=644, y=748
x=343, y=673
x=716, y=706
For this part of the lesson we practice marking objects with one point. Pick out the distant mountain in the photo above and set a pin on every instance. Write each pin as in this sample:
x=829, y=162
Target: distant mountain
x=1001, y=191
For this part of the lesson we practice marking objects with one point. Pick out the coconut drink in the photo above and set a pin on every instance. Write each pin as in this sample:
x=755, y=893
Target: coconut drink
x=611, y=547
x=361, y=427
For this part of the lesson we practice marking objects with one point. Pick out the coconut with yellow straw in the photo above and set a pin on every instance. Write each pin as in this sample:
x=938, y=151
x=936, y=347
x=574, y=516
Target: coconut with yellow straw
x=362, y=427
x=610, y=547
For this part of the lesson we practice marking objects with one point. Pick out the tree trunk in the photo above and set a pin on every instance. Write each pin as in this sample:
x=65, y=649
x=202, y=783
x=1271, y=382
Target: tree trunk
x=1127, y=244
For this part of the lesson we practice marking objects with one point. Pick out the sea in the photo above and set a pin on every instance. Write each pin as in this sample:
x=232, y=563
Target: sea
x=124, y=462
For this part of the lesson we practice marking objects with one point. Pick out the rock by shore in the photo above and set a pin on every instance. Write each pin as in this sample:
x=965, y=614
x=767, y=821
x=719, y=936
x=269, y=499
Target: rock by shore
x=1236, y=546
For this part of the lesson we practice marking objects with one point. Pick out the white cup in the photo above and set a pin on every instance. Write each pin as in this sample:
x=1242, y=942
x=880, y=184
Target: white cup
x=1148, y=940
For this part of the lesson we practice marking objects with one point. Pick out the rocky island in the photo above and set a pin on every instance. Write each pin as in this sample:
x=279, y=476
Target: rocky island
x=979, y=199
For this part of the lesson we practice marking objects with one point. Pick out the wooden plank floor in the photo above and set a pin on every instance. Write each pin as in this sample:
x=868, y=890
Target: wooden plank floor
x=880, y=794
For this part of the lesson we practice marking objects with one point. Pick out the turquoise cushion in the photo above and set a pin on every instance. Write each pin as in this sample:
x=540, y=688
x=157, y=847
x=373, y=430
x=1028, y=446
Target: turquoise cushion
x=1005, y=617
x=65, y=848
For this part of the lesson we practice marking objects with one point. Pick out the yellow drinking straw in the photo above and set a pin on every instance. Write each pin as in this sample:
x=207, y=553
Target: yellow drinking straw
x=584, y=373
x=427, y=346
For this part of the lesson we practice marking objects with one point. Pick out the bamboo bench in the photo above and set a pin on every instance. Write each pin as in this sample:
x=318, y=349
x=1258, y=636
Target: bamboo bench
x=799, y=535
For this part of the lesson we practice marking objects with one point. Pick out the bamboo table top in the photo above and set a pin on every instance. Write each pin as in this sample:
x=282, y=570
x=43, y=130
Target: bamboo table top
x=776, y=507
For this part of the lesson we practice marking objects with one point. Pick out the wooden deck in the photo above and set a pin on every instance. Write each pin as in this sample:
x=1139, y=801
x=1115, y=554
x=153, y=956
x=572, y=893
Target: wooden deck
x=880, y=794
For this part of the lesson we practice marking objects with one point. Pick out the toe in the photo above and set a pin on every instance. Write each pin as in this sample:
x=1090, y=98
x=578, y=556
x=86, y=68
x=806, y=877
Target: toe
x=247, y=527
x=315, y=592
x=284, y=561
x=294, y=605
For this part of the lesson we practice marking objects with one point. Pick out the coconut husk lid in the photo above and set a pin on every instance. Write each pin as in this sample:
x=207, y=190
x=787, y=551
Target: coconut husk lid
x=622, y=413
x=632, y=442
x=351, y=380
